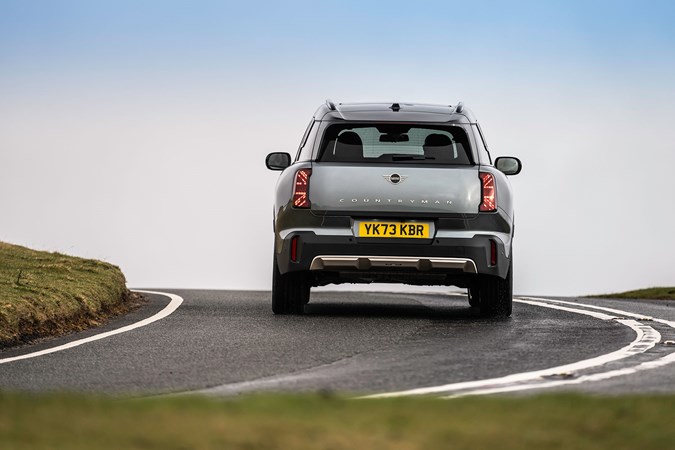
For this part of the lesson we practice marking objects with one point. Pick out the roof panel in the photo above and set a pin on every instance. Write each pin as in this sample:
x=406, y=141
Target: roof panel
x=408, y=112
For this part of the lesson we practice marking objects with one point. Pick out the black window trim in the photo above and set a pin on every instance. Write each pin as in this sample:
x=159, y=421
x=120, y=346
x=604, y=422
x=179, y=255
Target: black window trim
x=303, y=142
x=482, y=138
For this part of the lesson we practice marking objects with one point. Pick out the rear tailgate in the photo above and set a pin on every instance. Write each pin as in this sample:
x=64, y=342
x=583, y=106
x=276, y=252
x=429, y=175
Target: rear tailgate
x=337, y=188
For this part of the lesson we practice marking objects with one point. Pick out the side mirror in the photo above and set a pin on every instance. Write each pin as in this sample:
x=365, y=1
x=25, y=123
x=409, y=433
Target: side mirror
x=278, y=161
x=509, y=165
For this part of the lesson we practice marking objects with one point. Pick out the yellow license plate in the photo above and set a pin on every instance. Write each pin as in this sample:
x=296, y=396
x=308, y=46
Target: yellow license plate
x=409, y=230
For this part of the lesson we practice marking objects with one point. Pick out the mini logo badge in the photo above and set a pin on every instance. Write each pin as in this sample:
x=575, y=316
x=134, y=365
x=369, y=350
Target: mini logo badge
x=395, y=178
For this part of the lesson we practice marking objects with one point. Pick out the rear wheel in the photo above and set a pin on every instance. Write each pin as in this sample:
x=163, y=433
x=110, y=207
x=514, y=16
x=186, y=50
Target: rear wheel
x=290, y=291
x=496, y=295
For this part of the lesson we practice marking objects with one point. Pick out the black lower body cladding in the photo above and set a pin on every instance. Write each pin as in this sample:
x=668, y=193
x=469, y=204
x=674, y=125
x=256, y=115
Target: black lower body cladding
x=477, y=249
x=480, y=263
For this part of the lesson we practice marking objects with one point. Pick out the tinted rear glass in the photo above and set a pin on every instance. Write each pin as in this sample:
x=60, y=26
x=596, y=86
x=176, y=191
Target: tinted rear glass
x=395, y=143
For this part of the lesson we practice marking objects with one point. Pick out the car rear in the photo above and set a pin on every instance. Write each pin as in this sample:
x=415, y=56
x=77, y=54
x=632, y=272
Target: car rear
x=393, y=201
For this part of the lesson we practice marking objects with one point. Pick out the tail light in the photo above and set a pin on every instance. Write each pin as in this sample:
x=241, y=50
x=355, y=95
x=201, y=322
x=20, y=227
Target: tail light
x=489, y=192
x=301, y=189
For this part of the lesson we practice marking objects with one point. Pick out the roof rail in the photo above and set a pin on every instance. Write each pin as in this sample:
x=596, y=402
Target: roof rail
x=330, y=104
x=459, y=107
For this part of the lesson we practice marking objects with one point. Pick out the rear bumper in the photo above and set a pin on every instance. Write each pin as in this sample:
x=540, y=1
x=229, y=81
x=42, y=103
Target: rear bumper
x=455, y=255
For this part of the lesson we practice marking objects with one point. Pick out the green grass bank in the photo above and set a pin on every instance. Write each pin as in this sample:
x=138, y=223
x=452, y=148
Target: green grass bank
x=560, y=421
x=45, y=294
x=654, y=293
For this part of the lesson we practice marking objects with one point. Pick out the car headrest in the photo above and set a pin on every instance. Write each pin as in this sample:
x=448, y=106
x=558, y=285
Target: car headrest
x=349, y=147
x=436, y=140
x=350, y=138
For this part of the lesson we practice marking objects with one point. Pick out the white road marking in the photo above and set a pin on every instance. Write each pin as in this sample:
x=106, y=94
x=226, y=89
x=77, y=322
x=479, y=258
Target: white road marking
x=168, y=309
x=618, y=312
x=646, y=338
x=664, y=361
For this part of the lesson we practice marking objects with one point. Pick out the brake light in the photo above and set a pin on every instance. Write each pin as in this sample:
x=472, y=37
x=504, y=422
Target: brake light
x=489, y=192
x=301, y=189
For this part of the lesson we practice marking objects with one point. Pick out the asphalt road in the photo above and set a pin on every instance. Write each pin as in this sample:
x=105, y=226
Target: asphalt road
x=229, y=342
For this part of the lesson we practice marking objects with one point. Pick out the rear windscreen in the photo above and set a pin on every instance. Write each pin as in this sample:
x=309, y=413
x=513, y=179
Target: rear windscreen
x=392, y=143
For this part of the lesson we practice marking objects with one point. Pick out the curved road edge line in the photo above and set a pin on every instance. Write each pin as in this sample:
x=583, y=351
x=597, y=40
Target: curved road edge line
x=647, y=365
x=174, y=303
x=618, y=312
x=646, y=338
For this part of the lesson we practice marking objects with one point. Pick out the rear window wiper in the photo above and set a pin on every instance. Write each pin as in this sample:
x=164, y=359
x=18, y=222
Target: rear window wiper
x=410, y=157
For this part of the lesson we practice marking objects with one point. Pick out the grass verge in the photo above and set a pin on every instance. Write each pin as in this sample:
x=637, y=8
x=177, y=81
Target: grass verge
x=655, y=293
x=44, y=294
x=560, y=421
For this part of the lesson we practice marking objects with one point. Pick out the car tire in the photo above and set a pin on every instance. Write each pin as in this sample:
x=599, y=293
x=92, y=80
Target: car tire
x=496, y=295
x=474, y=296
x=290, y=291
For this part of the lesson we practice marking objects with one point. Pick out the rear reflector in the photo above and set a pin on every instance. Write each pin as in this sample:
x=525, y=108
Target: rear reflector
x=493, y=253
x=301, y=189
x=489, y=192
x=294, y=249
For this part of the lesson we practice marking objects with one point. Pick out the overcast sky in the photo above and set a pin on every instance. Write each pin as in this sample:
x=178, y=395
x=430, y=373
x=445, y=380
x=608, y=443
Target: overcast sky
x=136, y=131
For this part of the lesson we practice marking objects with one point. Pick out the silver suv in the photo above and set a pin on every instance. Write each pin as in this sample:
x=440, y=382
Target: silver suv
x=393, y=193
